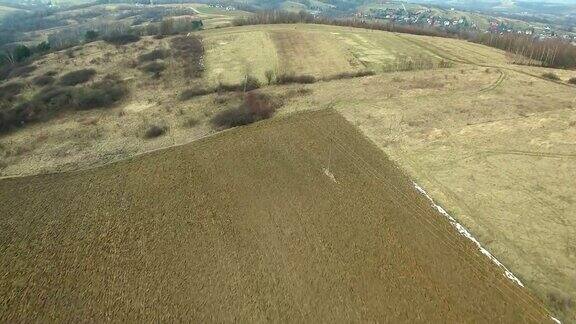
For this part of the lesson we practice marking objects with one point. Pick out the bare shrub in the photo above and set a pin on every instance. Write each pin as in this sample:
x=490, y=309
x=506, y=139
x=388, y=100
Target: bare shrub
x=101, y=94
x=10, y=71
x=191, y=122
x=251, y=83
x=77, y=77
x=157, y=54
x=154, y=131
x=292, y=78
x=551, y=76
x=350, y=75
x=270, y=76
x=10, y=90
x=190, y=50
x=121, y=39
x=256, y=106
x=191, y=93
x=227, y=87
x=155, y=68
x=560, y=301
x=52, y=100
x=43, y=80
x=572, y=80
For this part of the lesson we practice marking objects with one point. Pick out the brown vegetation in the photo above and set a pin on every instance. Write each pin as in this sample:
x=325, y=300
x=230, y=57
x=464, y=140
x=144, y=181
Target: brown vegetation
x=190, y=50
x=551, y=76
x=157, y=54
x=154, y=131
x=77, y=77
x=43, y=80
x=121, y=39
x=52, y=100
x=256, y=106
x=288, y=78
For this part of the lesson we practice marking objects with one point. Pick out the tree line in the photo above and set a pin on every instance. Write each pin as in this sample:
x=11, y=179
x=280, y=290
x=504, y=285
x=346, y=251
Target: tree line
x=555, y=53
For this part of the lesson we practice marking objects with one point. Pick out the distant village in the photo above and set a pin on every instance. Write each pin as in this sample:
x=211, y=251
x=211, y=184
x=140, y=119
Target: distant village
x=428, y=17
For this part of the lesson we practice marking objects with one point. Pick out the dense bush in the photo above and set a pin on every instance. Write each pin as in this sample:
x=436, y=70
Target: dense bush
x=350, y=75
x=157, y=54
x=292, y=78
x=255, y=107
x=10, y=90
x=155, y=68
x=121, y=39
x=43, y=80
x=155, y=131
x=101, y=94
x=77, y=77
x=190, y=50
x=191, y=93
x=551, y=76
x=251, y=83
x=11, y=71
x=51, y=100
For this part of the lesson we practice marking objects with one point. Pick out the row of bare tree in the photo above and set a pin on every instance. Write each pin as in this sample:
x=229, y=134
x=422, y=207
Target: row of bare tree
x=524, y=49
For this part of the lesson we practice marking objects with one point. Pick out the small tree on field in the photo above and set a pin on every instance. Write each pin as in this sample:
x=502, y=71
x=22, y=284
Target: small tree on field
x=90, y=36
x=21, y=53
x=42, y=47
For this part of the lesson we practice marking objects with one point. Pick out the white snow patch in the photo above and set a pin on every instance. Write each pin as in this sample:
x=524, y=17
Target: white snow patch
x=330, y=175
x=464, y=232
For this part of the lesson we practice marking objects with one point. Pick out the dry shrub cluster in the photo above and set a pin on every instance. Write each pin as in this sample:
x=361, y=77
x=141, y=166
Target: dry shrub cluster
x=43, y=80
x=154, y=68
x=256, y=106
x=288, y=78
x=77, y=77
x=572, y=80
x=10, y=90
x=190, y=50
x=10, y=71
x=157, y=54
x=154, y=131
x=121, y=39
x=52, y=100
x=551, y=76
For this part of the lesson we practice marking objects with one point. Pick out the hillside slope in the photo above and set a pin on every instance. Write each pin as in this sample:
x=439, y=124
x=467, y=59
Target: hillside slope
x=245, y=226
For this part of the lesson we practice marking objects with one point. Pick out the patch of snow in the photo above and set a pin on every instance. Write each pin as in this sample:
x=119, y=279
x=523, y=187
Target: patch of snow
x=330, y=175
x=464, y=232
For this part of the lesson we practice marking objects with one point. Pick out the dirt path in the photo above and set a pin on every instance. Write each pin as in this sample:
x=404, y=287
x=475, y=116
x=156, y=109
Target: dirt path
x=245, y=226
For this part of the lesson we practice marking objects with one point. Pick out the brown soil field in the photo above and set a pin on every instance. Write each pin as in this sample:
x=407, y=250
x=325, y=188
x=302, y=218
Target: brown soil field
x=245, y=226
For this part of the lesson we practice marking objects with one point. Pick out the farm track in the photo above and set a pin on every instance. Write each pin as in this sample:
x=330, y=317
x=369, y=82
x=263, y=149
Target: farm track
x=246, y=216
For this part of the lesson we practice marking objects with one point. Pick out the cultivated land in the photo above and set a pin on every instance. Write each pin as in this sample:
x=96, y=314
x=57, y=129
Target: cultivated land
x=246, y=226
x=493, y=143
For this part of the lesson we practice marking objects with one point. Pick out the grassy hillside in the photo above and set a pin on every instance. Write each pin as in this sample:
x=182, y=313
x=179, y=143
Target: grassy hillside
x=492, y=141
x=252, y=218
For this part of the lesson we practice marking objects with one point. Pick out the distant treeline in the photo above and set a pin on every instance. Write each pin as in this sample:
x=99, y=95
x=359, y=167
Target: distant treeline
x=285, y=17
x=550, y=53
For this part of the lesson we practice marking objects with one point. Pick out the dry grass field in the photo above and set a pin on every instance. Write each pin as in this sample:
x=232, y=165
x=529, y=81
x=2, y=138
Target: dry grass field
x=246, y=226
x=494, y=143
